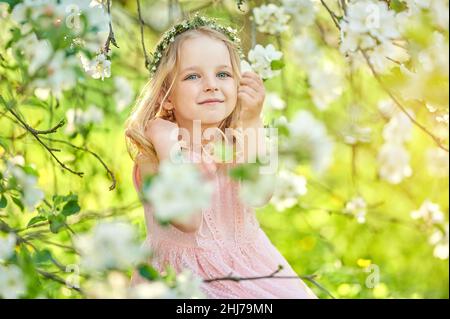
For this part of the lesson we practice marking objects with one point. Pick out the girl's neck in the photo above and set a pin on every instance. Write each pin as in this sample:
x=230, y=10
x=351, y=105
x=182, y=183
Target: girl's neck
x=195, y=130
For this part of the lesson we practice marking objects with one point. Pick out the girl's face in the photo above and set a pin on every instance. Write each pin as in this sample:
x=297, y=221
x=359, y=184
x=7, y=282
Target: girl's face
x=205, y=72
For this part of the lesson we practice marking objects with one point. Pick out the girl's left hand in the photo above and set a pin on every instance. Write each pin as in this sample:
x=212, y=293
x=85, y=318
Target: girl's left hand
x=251, y=92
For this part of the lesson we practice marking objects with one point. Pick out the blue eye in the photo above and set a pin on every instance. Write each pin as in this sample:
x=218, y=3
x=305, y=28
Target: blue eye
x=190, y=76
x=228, y=75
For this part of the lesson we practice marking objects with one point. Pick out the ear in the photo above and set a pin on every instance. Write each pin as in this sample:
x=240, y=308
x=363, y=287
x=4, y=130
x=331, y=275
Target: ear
x=168, y=105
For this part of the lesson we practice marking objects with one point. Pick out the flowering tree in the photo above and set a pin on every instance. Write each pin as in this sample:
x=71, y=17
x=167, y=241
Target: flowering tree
x=358, y=93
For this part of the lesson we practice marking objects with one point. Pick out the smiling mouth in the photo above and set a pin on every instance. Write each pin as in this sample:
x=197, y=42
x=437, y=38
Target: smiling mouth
x=211, y=103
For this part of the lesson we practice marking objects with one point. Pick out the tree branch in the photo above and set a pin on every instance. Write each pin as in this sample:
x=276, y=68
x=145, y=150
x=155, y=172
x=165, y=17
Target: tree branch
x=141, y=23
x=111, y=38
x=333, y=15
x=110, y=173
x=436, y=139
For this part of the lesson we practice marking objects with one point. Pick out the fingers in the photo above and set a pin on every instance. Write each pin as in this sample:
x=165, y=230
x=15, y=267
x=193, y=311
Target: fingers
x=248, y=91
x=254, y=76
x=252, y=84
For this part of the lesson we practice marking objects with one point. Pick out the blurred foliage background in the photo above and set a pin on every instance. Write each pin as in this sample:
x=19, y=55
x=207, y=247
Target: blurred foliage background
x=364, y=110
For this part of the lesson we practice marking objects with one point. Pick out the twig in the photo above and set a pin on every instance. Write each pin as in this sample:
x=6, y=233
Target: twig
x=110, y=173
x=111, y=38
x=334, y=17
x=57, y=279
x=141, y=23
x=309, y=278
x=237, y=279
x=36, y=136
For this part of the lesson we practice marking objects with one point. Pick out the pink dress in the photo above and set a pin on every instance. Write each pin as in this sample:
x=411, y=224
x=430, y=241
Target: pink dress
x=228, y=242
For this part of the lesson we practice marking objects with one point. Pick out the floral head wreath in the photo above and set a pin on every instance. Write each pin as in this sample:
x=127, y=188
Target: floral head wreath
x=194, y=23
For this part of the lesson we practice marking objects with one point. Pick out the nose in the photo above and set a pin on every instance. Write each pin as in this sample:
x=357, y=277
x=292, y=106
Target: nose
x=210, y=84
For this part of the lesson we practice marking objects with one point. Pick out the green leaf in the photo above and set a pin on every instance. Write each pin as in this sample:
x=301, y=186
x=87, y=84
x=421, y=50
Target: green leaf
x=36, y=219
x=277, y=65
x=25, y=262
x=30, y=170
x=70, y=208
x=18, y=202
x=148, y=272
x=244, y=172
x=42, y=256
x=3, y=202
x=398, y=6
x=56, y=223
x=59, y=199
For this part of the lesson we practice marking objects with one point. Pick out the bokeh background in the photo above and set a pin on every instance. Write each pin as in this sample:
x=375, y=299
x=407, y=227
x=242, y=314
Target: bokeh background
x=357, y=89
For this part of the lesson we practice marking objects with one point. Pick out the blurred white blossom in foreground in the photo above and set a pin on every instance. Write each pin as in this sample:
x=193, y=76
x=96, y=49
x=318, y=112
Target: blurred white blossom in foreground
x=110, y=245
x=178, y=191
x=77, y=118
x=7, y=245
x=308, y=141
x=27, y=183
x=12, y=283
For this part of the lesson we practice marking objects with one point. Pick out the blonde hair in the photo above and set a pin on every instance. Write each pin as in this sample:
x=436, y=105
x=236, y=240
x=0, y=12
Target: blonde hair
x=155, y=92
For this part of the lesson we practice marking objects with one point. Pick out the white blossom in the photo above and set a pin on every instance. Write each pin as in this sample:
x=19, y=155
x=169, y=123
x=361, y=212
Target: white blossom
x=399, y=128
x=12, y=283
x=114, y=286
x=393, y=160
x=187, y=285
x=385, y=56
x=302, y=12
x=261, y=58
x=435, y=58
x=123, y=95
x=270, y=19
x=308, y=137
x=152, y=290
x=190, y=195
x=289, y=187
x=437, y=162
x=439, y=240
x=78, y=118
x=257, y=192
x=7, y=245
x=307, y=52
x=110, y=245
x=429, y=212
x=99, y=67
x=246, y=67
x=371, y=25
x=387, y=108
x=325, y=92
x=31, y=193
x=273, y=101
x=60, y=74
x=357, y=207
x=440, y=12
x=95, y=3
x=37, y=52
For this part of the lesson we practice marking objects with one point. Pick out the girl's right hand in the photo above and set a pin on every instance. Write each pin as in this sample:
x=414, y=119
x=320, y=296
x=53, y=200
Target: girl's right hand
x=163, y=134
x=164, y=138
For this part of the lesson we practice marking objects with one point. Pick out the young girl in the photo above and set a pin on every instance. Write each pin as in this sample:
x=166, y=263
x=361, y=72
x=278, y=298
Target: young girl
x=198, y=80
